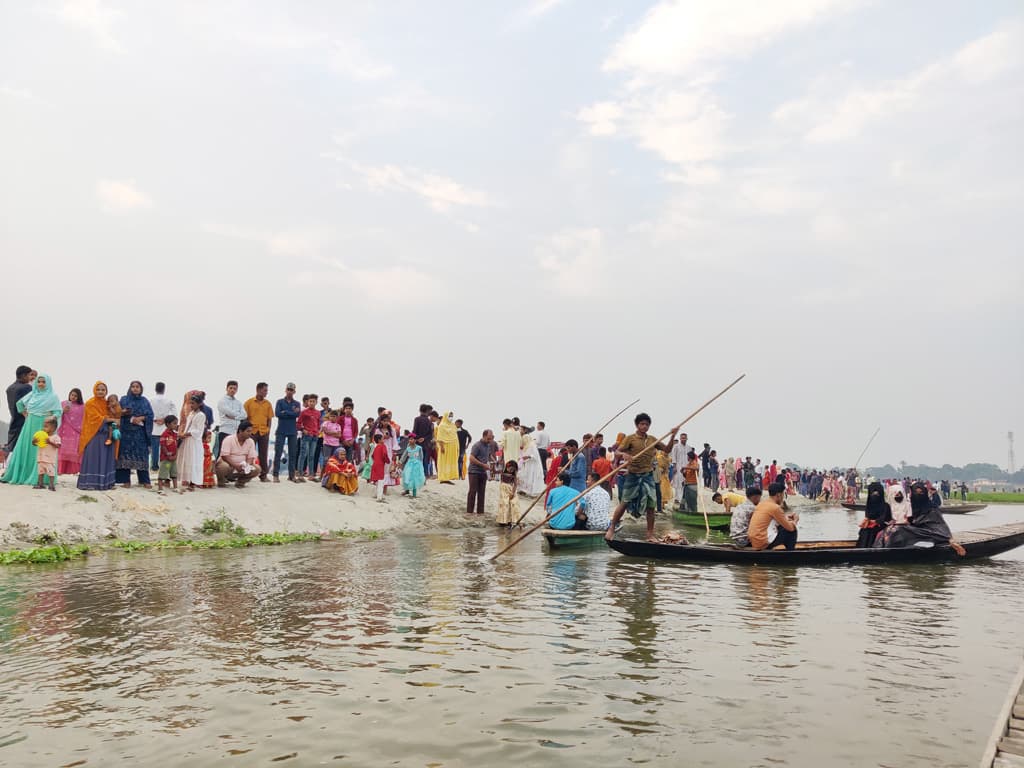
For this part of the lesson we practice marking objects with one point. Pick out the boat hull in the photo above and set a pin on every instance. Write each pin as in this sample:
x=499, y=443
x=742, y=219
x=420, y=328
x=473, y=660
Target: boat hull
x=717, y=522
x=561, y=539
x=984, y=542
x=947, y=509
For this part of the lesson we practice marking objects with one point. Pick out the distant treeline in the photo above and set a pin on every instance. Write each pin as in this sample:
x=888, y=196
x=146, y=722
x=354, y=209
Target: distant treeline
x=968, y=473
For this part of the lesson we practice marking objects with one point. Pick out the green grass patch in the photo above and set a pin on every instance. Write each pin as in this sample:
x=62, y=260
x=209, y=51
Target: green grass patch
x=369, y=535
x=234, y=542
x=221, y=524
x=994, y=498
x=85, y=498
x=53, y=554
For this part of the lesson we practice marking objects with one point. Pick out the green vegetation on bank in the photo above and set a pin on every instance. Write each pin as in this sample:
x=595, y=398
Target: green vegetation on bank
x=993, y=498
x=51, y=554
x=60, y=552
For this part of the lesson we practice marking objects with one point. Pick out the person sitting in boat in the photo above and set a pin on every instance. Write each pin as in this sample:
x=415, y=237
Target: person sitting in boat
x=877, y=515
x=899, y=504
x=924, y=528
x=741, y=514
x=934, y=497
x=765, y=513
x=562, y=494
x=730, y=500
x=595, y=507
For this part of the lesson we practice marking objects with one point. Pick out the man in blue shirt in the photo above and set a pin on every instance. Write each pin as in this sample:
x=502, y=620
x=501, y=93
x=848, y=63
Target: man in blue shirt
x=287, y=412
x=577, y=468
x=562, y=494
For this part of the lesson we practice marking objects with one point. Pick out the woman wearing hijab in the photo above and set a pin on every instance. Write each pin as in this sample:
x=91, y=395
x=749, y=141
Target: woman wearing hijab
x=136, y=426
x=68, y=458
x=446, y=438
x=98, y=452
x=40, y=403
x=899, y=505
x=877, y=515
x=924, y=528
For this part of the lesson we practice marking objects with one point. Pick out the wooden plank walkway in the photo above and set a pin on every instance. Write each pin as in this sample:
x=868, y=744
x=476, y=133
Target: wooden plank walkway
x=1005, y=747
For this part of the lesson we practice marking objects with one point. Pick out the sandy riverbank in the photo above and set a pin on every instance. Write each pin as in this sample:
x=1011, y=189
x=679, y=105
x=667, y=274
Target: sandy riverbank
x=139, y=514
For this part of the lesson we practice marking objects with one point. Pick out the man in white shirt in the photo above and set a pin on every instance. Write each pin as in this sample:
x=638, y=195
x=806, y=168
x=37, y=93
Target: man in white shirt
x=162, y=407
x=543, y=441
x=231, y=412
x=679, y=460
x=237, y=457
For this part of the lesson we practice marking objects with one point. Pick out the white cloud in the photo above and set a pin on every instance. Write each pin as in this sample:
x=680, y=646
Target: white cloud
x=576, y=262
x=824, y=118
x=682, y=37
x=120, y=196
x=667, y=106
x=94, y=17
x=441, y=193
x=398, y=283
x=541, y=7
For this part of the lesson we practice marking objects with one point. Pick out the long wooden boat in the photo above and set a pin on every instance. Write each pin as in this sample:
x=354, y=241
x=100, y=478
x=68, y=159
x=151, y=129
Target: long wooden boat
x=946, y=509
x=1005, y=748
x=717, y=522
x=983, y=542
x=557, y=539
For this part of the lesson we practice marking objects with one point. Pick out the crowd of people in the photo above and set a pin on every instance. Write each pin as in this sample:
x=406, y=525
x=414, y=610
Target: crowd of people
x=105, y=439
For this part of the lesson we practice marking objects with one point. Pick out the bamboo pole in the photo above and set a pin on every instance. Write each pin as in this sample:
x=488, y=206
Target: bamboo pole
x=586, y=445
x=672, y=431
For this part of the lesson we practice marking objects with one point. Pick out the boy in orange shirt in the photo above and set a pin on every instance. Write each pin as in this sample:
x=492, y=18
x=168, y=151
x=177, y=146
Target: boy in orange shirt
x=765, y=513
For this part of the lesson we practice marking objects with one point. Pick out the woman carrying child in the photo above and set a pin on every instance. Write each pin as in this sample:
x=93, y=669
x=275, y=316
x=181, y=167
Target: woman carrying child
x=96, y=444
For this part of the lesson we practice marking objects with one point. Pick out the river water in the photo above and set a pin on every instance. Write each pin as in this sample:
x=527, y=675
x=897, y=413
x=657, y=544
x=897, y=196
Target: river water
x=412, y=651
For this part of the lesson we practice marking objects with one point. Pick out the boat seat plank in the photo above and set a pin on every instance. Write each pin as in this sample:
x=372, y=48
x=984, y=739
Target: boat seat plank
x=1004, y=760
x=1018, y=711
x=1013, y=746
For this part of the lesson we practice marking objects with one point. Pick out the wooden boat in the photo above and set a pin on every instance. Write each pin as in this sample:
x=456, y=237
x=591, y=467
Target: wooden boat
x=946, y=509
x=983, y=542
x=557, y=539
x=1005, y=747
x=717, y=522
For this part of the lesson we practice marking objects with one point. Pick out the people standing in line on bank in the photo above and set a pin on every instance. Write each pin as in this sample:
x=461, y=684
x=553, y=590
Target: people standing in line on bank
x=465, y=439
x=68, y=459
x=16, y=390
x=230, y=411
x=260, y=414
x=97, y=471
x=479, y=466
x=287, y=411
x=136, y=429
x=162, y=407
x=40, y=402
x=543, y=444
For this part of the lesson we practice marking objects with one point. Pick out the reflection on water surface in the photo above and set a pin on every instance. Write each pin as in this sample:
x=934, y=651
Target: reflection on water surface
x=413, y=651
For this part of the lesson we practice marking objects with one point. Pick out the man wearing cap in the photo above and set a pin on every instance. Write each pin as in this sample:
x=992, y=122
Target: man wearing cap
x=287, y=411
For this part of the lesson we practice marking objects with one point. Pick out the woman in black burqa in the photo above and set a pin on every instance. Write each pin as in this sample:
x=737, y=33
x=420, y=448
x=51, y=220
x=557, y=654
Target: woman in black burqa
x=877, y=516
x=925, y=528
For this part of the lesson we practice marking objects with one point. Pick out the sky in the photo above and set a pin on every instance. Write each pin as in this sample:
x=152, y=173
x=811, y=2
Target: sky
x=542, y=209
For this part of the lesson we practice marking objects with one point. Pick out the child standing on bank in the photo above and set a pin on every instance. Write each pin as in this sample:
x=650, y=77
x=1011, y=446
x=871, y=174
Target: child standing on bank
x=168, y=455
x=508, y=502
x=309, y=432
x=47, y=443
x=379, y=461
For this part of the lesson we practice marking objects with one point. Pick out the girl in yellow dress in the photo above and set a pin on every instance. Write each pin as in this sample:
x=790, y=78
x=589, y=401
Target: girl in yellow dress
x=508, y=502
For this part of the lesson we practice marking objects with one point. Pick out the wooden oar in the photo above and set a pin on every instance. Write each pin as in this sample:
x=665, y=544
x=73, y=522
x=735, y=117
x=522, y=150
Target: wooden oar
x=615, y=471
x=581, y=450
x=866, y=448
x=704, y=509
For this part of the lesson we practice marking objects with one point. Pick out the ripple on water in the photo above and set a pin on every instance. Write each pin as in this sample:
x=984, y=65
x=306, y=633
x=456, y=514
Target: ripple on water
x=411, y=651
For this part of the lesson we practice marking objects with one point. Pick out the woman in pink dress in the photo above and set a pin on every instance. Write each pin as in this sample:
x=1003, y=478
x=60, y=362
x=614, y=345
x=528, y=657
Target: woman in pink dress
x=723, y=473
x=69, y=460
